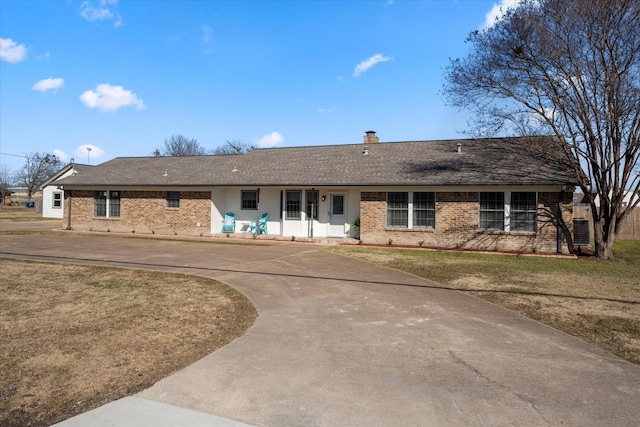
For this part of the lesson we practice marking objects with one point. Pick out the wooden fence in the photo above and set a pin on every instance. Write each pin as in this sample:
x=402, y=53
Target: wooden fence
x=629, y=229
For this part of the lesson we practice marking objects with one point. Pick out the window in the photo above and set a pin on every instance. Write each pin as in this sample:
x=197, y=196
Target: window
x=312, y=204
x=57, y=200
x=509, y=211
x=173, y=199
x=424, y=210
x=114, y=204
x=415, y=210
x=100, y=204
x=249, y=200
x=293, y=204
x=337, y=204
x=491, y=211
x=106, y=202
x=397, y=209
x=524, y=212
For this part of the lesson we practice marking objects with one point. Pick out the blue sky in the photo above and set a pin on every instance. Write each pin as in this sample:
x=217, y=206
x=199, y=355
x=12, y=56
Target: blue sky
x=122, y=76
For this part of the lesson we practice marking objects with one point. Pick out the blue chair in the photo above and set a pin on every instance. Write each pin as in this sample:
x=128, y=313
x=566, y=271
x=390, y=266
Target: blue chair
x=260, y=226
x=229, y=223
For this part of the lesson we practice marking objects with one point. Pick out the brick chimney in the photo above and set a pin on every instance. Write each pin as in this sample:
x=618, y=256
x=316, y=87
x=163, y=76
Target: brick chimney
x=370, y=137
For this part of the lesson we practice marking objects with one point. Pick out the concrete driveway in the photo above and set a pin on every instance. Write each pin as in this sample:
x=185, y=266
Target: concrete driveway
x=342, y=342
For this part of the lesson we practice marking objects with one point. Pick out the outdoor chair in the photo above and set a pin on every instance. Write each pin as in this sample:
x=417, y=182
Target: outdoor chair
x=259, y=226
x=229, y=223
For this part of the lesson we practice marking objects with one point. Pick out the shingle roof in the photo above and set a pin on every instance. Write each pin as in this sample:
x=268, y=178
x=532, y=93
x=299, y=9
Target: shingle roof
x=491, y=161
x=78, y=167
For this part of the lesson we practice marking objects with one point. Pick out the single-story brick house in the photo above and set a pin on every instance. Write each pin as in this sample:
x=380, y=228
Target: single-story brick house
x=492, y=194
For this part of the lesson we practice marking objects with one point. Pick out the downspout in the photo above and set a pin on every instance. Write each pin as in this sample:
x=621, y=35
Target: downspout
x=69, y=214
x=560, y=222
x=310, y=219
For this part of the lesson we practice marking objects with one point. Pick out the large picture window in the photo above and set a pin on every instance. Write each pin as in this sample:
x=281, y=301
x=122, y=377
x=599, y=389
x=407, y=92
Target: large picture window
x=492, y=211
x=293, y=204
x=249, y=200
x=173, y=199
x=312, y=204
x=398, y=209
x=424, y=210
x=524, y=211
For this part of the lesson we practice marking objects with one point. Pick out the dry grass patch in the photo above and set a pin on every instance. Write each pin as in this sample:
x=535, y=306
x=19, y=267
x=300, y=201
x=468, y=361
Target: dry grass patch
x=76, y=337
x=20, y=213
x=596, y=301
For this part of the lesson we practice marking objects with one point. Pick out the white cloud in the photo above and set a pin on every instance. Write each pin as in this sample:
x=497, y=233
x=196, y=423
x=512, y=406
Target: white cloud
x=497, y=12
x=44, y=57
x=110, y=98
x=60, y=154
x=368, y=63
x=95, y=14
x=92, y=12
x=271, y=140
x=48, y=84
x=11, y=51
x=88, y=153
x=207, y=34
x=542, y=117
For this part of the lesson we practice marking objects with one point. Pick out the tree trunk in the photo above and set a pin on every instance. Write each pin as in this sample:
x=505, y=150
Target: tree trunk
x=604, y=236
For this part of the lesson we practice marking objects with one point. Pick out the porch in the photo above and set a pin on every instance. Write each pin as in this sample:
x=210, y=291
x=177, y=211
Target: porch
x=293, y=213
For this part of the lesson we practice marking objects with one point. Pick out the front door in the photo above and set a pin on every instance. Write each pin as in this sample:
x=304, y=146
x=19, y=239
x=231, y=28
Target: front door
x=336, y=214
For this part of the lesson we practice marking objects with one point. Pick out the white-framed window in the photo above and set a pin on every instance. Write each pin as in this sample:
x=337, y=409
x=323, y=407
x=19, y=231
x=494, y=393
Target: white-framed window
x=523, y=212
x=312, y=199
x=293, y=204
x=106, y=204
x=173, y=199
x=56, y=202
x=492, y=211
x=398, y=209
x=417, y=208
x=249, y=200
x=509, y=211
x=424, y=209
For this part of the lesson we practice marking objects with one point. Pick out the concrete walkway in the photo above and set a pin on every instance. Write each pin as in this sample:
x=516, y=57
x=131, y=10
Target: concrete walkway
x=342, y=342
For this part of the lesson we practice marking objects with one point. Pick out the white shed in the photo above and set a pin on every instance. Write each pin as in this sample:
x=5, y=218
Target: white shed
x=53, y=195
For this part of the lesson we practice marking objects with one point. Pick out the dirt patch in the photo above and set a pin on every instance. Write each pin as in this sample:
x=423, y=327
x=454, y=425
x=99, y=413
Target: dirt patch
x=77, y=337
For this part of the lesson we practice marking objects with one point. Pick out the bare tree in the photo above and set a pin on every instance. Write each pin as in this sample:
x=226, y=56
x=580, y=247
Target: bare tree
x=6, y=181
x=233, y=147
x=179, y=145
x=569, y=68
x=38, y=168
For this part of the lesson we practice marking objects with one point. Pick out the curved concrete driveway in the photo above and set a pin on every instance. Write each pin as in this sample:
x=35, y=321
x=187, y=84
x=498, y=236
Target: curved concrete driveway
x=344, y=343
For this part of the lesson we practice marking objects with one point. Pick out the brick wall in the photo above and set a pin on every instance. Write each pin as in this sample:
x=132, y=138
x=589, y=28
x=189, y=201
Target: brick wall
x=144, y=212
x=457, y=225
x=373, y=212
